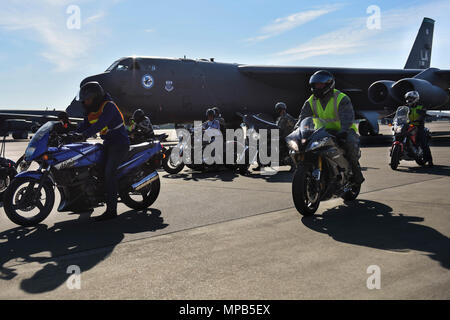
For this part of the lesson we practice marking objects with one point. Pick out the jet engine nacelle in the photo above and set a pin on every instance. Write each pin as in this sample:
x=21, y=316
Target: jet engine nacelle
x=431, y=88
x=380, y=92
x=430, y=95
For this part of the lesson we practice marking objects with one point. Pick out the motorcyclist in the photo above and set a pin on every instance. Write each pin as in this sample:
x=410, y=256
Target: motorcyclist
x=417, y=114
x=218, y=117
x=211, y=121
x=333, y=110
x=141, y=122
x=103, y=115
x=285, y=123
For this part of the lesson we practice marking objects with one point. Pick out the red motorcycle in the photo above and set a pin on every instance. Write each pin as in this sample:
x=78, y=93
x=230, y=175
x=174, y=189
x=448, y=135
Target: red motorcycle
x=406, y=145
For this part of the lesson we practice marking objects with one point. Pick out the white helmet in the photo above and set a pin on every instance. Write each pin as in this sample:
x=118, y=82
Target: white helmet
x=412, y=97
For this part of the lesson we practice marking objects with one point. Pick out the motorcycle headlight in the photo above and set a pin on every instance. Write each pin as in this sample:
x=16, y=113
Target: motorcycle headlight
x=318, y=144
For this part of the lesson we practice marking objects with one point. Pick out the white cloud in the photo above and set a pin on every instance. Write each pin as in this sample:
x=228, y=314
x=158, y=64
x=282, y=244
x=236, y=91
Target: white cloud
x=356, y=37
x=282, y=25
x=45, y=23
x=94, y=18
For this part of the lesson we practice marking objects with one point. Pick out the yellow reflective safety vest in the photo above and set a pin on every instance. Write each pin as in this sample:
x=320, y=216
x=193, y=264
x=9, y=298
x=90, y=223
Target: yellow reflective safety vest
x=328, y=117
x=94, y=116
x=413, y=115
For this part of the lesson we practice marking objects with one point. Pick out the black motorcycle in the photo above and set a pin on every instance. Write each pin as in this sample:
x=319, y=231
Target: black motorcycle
x=252, y=124
x=322, y=171
x=184, y=154
x=7, y=170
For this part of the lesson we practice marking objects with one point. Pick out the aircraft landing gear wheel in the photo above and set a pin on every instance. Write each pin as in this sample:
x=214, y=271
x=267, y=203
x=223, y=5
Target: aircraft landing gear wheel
x=364, y=128
x=20, y=135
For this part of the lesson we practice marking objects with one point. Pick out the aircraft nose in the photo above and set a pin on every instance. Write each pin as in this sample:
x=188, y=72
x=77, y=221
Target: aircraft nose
x=100, y=78
x=75, y=109
x=103, y=79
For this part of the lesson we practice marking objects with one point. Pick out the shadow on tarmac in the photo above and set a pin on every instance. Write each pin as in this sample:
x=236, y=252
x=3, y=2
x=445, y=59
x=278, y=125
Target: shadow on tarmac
x=435, y=170
x=93, y=241
x=373, y=224
x=212, y=174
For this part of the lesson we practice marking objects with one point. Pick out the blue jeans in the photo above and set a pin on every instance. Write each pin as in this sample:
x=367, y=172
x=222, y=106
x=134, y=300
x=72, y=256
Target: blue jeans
x=115, y=155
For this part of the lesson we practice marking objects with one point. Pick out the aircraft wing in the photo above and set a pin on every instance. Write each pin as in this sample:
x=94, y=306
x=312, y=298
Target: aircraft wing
x=37, y=116
x=349, y=79
x=444, y=74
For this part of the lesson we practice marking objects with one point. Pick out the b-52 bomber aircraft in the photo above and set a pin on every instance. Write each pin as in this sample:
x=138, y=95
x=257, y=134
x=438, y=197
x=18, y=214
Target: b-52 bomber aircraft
x=21, y=122
x=179, y=90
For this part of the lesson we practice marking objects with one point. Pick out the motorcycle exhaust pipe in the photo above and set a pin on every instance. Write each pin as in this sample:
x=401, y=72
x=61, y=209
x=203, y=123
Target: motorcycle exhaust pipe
x=146, y=181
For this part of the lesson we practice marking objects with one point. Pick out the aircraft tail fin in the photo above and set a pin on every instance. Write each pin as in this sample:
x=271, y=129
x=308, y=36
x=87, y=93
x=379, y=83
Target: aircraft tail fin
x=420, y=55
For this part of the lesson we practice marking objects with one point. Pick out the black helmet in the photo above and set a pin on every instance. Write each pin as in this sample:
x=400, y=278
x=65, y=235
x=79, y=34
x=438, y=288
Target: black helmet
x=63, y=116
x=138, y=115
x=210, y=112
x=91, y=90
x=280, y=106
x=321, y=83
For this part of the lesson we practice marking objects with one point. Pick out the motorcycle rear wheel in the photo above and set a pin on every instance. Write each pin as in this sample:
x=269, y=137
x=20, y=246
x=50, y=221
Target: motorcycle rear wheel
x=169, y=166
x=148, y=194
x=301, y=192
x=16, y=198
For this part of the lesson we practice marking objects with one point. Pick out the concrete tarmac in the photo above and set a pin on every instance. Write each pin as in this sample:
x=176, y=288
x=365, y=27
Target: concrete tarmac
x=218, y=235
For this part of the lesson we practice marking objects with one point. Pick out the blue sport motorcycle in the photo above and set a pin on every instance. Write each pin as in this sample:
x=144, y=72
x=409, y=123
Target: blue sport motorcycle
x=76, y=169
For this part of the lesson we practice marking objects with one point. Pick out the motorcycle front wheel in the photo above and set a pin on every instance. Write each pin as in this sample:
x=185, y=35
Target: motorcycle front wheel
x=141, y=199
x=305, y=194
x=395, y=156
x=20, y=205
x=353, y=193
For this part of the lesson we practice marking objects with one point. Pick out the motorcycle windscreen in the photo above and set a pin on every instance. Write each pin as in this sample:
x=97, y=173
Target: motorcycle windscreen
x=39, y=143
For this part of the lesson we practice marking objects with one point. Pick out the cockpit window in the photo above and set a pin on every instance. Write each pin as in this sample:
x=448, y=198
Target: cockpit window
x=113, y=66
x=124, y=65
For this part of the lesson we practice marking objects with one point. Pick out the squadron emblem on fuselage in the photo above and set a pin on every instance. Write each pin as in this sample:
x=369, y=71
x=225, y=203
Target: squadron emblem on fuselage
x=147, y=81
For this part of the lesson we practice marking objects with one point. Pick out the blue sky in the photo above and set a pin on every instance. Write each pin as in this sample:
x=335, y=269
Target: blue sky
x=42, y=61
